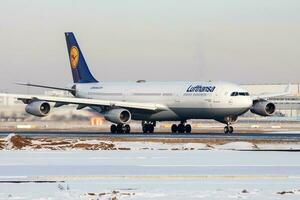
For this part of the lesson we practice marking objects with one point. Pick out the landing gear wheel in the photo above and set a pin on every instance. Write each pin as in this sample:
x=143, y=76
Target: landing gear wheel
x=188, y=128
x=230, y=129
x=181, y=128
x=120, y=128
x=226, y=129
x=174, y=128
x=148, y=127
x=145, y=128
x=113, y=128
x=126, y=128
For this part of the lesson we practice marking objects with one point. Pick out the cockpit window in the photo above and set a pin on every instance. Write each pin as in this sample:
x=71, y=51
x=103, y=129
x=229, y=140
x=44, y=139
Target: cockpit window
x=239, y=94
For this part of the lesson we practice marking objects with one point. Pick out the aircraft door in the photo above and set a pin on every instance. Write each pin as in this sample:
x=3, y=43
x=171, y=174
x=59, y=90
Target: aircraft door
x=230, y=99
x=177, y=98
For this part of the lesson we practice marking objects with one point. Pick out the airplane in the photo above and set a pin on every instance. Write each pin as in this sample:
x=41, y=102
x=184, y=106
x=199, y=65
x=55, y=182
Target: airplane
x=150, y=102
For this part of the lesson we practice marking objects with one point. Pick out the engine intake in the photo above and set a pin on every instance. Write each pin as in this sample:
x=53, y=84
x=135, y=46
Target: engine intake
x=263, y=108
x=38, y=108
x=118, y=116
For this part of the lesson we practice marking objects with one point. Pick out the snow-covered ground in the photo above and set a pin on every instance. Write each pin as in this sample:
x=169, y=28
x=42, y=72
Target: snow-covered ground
x=89, y=169
x=153, y=189
x=16, y=142
x=151, y=174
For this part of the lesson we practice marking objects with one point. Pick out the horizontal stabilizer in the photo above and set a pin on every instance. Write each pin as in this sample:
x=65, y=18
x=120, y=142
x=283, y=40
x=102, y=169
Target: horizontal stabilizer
x=71, y=90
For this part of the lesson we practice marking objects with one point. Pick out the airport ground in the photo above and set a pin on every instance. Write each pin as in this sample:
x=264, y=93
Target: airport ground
x=149, y=174
x=259, y=161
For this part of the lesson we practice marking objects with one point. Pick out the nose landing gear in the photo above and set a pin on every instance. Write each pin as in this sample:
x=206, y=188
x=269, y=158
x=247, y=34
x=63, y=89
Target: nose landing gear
x=228, y=129
x=228, y=121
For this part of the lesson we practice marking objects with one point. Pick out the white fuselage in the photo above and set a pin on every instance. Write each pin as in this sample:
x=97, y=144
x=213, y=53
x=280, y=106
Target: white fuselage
x=184, y=100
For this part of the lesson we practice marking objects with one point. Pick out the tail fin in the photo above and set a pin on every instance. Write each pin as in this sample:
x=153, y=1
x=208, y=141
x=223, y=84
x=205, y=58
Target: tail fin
x=80, y=70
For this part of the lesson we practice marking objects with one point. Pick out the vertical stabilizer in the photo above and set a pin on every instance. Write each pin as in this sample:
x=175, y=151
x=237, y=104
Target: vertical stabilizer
x=80, y=70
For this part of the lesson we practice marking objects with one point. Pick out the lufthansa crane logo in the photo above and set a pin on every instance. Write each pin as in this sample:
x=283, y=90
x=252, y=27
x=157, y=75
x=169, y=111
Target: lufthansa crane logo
x=74, y=57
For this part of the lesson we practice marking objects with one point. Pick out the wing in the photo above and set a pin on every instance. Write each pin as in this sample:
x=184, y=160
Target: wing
x=287, y=91
x=83, y=102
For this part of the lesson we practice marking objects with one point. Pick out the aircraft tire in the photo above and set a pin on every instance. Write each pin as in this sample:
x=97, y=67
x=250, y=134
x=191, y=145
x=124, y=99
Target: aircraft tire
x=188, y=128
x=145, y=128
x=181, y=128
x=113, y=128
x=150, y=128
x=174, y=128
x=126, y=128
x=226, y=129
x=120, y=128
x=230, y=129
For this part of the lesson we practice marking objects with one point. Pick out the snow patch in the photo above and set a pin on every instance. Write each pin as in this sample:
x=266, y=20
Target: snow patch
x=237, y=146
x=8, y=142
x=13, y=141
x=159, y=146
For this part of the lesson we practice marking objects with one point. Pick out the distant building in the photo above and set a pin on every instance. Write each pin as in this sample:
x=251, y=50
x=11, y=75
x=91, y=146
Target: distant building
x=9, y=101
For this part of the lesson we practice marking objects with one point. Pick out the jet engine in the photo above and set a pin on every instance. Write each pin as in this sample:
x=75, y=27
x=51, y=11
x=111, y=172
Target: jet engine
x=118, y=116
x=263, y=108
x=38, y=108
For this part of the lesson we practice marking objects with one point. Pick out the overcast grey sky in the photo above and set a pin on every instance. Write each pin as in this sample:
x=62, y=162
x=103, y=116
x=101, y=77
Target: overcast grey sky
x=249, y=41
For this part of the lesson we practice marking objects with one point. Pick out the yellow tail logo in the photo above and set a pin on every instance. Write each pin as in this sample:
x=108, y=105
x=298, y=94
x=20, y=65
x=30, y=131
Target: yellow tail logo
x=74, y=57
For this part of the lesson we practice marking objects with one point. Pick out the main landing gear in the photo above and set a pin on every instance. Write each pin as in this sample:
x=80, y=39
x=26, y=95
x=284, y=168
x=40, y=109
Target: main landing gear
x=148, y=127
x=120, y=128
x=228, y=129
x=181, y=128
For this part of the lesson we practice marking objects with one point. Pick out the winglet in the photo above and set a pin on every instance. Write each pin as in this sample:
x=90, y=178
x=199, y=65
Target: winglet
x=288, y=89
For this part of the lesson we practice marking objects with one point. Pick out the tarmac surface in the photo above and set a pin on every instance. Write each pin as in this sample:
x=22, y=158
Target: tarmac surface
x=272, y=136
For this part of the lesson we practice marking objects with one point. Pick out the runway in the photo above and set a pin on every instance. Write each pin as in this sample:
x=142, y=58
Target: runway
x=197, y=164
x=273, y=136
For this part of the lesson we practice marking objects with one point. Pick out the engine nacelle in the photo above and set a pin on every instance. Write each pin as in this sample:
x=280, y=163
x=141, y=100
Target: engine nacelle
x=38, y=108
x=118, y=116
x=263, y=108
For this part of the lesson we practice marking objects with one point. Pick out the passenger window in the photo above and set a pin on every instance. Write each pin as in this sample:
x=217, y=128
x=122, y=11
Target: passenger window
x=234, y=94
x=242, y=93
